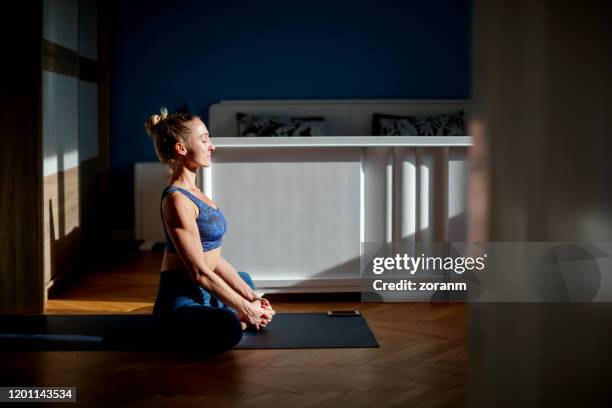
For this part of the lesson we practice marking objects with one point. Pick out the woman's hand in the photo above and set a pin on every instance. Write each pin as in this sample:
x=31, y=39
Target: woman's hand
x=267, y=307
x=254, y=314
x=265, y=304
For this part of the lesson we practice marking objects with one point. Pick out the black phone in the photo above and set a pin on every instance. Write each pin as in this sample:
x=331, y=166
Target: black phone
x=335, y=313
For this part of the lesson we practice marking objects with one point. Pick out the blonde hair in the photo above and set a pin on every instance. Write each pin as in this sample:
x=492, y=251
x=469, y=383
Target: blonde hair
x=167, y=130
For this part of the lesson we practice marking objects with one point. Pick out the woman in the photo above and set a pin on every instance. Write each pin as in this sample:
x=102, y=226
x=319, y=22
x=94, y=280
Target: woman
x=200, y=294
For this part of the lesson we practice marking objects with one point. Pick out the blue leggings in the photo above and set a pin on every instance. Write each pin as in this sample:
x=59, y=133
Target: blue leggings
x=192, y=318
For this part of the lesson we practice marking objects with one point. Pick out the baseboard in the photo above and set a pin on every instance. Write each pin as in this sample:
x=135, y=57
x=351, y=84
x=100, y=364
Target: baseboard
x=307, y=285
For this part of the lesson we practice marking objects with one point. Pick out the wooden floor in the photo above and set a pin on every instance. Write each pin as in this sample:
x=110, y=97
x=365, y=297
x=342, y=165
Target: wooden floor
x=421, y=360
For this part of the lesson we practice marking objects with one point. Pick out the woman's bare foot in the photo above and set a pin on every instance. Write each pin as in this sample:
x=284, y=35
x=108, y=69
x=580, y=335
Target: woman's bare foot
x=244, y=326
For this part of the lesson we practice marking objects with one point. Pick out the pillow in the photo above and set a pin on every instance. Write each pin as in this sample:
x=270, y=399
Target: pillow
x=251, y=125
x=449, y=124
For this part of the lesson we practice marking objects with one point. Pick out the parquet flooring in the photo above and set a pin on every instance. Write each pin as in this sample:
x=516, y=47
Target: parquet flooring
x=421, y=361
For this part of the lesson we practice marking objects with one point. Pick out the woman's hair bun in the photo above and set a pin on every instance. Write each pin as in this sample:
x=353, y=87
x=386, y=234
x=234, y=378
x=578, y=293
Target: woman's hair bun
x=167, y=130
x=154, y=120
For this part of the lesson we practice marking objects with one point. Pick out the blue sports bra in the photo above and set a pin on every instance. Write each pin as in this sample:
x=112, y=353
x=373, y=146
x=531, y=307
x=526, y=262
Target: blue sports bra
x=211, y=222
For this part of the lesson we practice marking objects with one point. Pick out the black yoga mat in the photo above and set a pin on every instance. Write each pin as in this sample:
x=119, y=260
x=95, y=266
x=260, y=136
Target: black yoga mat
x=138, y=333
x=78, y=332
x=310, y=330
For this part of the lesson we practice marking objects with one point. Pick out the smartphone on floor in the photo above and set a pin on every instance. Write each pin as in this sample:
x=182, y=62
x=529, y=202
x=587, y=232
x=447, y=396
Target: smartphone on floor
x=338, y=313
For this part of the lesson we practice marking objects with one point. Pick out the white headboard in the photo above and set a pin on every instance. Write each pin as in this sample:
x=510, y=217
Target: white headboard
x=348, y=117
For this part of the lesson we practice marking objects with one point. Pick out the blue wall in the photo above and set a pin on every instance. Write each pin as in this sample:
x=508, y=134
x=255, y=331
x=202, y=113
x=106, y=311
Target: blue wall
x=201, y=52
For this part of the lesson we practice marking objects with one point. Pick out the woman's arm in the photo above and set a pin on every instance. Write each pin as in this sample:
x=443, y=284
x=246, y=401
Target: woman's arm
x=182, y=228
x=233, y=279
x=229, y=274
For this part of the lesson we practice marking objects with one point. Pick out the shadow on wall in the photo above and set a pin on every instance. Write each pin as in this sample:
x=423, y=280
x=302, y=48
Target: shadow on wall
x=62, y=223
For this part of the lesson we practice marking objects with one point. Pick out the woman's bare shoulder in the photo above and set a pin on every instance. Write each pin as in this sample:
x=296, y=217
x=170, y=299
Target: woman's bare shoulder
x=176, y=203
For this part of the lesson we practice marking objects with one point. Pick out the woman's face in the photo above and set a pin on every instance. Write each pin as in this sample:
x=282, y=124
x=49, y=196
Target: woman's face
x=200, y=145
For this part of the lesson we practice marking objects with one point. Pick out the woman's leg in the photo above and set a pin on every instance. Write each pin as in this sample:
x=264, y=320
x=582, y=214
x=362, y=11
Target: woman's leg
x=203, y=330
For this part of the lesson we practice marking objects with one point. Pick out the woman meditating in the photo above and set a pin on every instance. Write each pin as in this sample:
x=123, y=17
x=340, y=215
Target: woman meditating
x=201, y=297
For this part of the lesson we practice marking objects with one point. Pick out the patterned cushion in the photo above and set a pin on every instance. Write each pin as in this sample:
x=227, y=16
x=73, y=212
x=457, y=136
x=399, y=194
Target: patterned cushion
x=251, y=125
x=450, y=124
